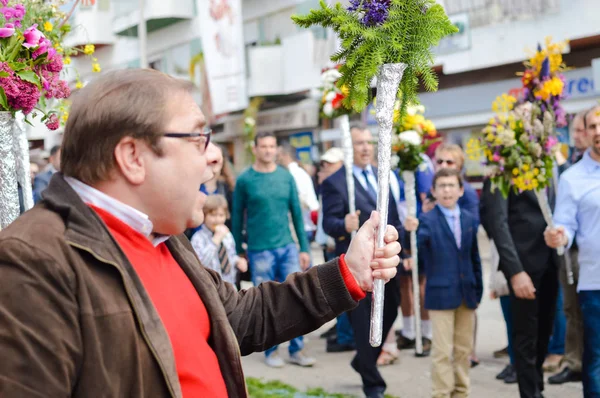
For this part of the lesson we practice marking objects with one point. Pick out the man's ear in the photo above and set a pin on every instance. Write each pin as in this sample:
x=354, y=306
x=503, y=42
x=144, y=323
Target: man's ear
x=130, y=160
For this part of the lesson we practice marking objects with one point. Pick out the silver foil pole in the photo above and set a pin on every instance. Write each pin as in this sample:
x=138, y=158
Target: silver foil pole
x=411, y=205
x=21, y=150
x=348, y=162
x=542, y=197
x=388, y=80
x=9, y=194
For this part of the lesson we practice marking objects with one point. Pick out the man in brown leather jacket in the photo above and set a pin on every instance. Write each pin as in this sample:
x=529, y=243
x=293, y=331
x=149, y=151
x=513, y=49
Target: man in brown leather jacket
x=101, y=295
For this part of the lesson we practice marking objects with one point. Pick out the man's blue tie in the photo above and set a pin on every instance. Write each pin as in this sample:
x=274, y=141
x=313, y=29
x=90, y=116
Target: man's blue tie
x=370, y=187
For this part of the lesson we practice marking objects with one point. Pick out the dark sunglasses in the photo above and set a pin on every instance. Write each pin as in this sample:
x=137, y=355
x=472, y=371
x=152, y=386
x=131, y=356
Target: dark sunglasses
x=204, y=135
x=448, y=162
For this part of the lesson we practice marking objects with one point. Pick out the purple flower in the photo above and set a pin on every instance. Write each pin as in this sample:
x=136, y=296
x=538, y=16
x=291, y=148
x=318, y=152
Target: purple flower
x=45, y=45
x=55, y=63
x=8, y=12
x=4, y=2
x=52, y=122
x=8, y=30
x=19, y=11
x=21, y=95
x=33, y=37
x=374, y=12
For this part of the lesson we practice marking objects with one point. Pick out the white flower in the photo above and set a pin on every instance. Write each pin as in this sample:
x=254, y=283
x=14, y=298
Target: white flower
x=250, y=121
x=411, y=137
x=328, y=109
x=329, y=78
x=394, y=160
x=330, y=96
x=414, y=109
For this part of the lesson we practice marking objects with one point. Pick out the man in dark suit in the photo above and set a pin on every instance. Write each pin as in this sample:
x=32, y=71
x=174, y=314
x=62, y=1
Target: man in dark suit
x=516, y=225
x=339, y=224
x=41, y=181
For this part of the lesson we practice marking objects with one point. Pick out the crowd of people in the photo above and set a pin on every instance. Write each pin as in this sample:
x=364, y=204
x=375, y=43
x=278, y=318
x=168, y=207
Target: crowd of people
x=120, y=197
x=542, y=311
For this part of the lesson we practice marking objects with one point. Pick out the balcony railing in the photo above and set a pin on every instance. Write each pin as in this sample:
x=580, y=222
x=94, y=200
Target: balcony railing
x=158, y=14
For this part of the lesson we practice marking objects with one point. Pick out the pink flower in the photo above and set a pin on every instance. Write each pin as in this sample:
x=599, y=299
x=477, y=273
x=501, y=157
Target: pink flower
x=55, y=63
x=550, y=143
x=8, y=30
x=21, y=95
x=52, y=122
x=4, y=2
x=8, y=12
x=496, y=157
x=19, y=11
x=45, y=45
x=33, y=37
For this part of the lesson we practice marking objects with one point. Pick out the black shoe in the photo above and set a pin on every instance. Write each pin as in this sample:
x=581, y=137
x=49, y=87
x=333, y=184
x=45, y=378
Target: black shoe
x=426, y=348
x=565, y=376
x=511, y=377
x=331, y=332
x=505, y=372
x=501, y=353
x=405, y=344
x=374, y=394
x=334, y=346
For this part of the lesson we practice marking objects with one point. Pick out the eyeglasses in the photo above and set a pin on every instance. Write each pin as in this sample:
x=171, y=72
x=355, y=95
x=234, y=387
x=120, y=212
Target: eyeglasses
x=447, y=161
x=202, y=142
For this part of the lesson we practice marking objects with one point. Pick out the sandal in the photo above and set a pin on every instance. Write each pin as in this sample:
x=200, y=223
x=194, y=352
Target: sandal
x=386, y=358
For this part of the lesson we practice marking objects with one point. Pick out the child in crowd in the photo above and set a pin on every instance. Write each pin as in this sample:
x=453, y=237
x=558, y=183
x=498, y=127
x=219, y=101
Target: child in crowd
x=214, y=243
x=447, y=243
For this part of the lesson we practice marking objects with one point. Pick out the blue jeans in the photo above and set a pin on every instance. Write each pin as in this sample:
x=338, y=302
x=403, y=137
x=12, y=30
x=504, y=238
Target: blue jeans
x=345, y=334
x=276, y=265
x=557, y=340
x=507, y=313
x=590, y=309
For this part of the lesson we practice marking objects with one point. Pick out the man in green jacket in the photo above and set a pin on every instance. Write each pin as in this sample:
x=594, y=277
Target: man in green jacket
x=100, y=293
x=265, y=195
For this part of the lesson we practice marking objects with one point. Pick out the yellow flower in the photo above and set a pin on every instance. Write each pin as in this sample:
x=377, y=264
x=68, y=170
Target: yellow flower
x=89, y=49
x=345, y=90
x=525, y=167
x=535, y=184
x=48, y=26
x=79, y=84
x=515, y=171
x=96, y=67
x=536, y=171
x=65, y=117
x=67, y=60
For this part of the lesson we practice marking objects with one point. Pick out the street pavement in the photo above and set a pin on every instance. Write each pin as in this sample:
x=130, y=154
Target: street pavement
x=410, y=377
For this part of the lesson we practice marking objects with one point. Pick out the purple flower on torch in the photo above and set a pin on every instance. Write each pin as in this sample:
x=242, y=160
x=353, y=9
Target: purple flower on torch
x=374, y=12
x=8, y=12
x=33, y=37
x=52, y=122
x=7, y=31
x=550, y=143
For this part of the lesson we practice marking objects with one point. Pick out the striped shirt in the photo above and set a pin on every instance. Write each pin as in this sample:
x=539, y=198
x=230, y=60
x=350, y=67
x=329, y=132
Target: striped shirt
x=208, y=252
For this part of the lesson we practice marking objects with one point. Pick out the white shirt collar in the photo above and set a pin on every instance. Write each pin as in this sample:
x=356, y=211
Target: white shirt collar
x=127, y=214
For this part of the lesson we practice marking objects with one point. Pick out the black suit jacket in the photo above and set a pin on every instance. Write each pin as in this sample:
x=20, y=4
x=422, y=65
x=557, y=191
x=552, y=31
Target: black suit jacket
x=516, y=225
x=334, y=191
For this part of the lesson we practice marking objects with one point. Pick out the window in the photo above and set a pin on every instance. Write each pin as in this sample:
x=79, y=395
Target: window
x=487, y=12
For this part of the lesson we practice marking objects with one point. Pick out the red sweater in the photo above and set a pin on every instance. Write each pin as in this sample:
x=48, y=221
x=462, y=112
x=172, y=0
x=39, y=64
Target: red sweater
x=181, y=309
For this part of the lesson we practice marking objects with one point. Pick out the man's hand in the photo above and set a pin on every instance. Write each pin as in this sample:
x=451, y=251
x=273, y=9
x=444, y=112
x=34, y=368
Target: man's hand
x=221, y=232
x=428, y=205
x=555, y=237
x=411, y=224
x=522, y=286
x=304, y=261
x=408, y=263
x=242, y=264
x=365, y=262
x=351, y=221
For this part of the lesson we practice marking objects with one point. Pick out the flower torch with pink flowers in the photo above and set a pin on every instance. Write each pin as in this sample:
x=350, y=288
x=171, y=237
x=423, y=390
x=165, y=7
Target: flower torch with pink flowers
x=32, y=58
